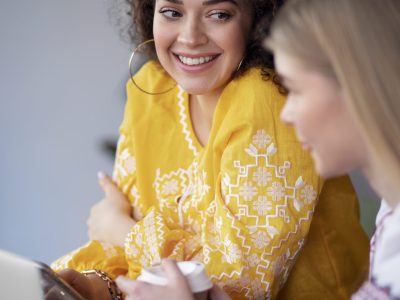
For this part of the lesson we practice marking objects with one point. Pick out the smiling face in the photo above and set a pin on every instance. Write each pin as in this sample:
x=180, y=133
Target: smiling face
x=316, y=108
x=200, y=43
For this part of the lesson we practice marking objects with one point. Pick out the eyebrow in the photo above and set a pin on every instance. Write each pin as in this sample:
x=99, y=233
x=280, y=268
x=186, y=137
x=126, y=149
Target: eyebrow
x=207, y=2
x=211, y=2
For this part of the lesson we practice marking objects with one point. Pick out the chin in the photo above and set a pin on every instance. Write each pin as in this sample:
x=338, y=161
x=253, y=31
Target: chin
x=327, y=168
x=326, y=171
x=195, y=89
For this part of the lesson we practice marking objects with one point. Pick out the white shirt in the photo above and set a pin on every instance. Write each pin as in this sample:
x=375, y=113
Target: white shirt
x=386, y=261
x=384, y=278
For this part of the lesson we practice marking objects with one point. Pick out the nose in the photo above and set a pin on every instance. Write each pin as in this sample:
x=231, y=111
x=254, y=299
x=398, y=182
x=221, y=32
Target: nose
x=287, y=113
x=192, y=33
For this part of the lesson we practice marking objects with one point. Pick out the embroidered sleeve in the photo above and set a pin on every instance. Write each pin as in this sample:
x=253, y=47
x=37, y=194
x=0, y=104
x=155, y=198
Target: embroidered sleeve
x=261, y=214
x=94, y=255
x=124, y=173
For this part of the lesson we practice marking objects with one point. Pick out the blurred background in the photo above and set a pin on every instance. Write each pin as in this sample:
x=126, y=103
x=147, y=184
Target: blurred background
x=63, y=69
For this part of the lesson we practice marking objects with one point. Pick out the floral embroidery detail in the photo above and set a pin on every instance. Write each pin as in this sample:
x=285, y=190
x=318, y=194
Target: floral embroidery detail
x=233, y=254
x=262, y=176
x=109, y=249
x=308, y=194
x=276, y=191
x=125, y=163
x=261, y=139
x=170, y=187
x=260, y=239
x=253, y=260
x=248, y=191
x=255, y=200
x=258, y=196
x=262, y=205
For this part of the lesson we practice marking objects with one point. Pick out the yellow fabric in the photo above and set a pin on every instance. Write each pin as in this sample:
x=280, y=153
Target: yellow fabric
x=242, y=205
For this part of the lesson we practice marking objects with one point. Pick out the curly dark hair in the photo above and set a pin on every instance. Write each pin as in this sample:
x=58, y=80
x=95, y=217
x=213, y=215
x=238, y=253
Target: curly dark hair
x=140, y=29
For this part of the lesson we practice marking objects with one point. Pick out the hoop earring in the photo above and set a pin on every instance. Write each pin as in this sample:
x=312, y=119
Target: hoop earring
x=130, y=70
x=240, y=64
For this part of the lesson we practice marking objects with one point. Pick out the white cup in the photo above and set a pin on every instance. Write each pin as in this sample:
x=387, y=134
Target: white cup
x=193, y=271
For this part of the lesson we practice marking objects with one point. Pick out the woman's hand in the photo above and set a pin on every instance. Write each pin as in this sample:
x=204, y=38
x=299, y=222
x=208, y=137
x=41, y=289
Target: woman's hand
x=110, y=219
x=91, y=287
x=177, y=287
x=217, y=293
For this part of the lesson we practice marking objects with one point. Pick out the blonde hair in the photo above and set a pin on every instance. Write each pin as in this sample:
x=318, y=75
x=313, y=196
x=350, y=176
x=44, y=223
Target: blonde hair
x=356, y=42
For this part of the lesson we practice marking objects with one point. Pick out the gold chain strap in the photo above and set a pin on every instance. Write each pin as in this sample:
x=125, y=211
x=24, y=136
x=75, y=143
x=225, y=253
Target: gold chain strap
x=112, y=286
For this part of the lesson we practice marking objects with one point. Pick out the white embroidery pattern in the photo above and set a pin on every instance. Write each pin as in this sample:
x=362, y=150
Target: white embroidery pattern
x=170, y=187
x=149, y=243
x=108, y=249
x=260, y=206
x=125, y=168
x=184, y=122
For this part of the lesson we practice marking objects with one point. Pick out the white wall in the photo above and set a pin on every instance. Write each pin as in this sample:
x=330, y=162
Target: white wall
x=63, y=69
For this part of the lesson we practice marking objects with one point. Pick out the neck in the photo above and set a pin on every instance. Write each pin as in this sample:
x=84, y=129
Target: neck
x=385, y=188
x=205, y=106
x=202, y=109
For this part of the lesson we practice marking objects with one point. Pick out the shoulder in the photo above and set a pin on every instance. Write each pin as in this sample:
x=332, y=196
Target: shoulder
x=142, y=106
x=254, y=95
x=152, y=78
x=252, y=102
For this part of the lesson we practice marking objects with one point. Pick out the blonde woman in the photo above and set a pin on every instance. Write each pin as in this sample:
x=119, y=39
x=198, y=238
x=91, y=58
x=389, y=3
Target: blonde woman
x=339, y=60
x=209, y=173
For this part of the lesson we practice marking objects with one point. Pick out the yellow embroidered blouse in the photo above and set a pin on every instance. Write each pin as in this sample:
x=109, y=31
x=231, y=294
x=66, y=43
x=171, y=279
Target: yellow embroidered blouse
x=242, y=205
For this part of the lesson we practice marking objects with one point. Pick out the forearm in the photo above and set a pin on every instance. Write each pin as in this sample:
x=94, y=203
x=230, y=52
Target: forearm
x=104, y=288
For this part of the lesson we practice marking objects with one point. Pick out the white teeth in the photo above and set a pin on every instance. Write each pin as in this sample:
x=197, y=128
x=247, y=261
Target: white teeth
x=195, y=61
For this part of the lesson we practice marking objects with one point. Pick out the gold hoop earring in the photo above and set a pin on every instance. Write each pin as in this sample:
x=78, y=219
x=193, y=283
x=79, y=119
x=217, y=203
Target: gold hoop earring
x=130, y=70
x=240, y=64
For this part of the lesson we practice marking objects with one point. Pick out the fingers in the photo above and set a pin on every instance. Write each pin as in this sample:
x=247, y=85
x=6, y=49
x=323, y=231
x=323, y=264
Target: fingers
x=111, y=190
x=174, y=274
x=133, y=289
x=78, y=281
x=125, y=284
x=70, y=276
x=217, y=293
x=106, y=183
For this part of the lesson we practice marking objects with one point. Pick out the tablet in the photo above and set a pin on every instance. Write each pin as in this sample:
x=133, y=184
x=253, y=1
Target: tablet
x=22, y=279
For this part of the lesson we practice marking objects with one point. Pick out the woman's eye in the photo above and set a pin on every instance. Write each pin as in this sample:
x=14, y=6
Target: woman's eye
x=220, y=15
x=170, y=13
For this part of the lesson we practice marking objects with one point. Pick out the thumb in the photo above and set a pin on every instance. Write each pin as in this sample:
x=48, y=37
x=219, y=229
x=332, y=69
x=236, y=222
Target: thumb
x=217, y=293
x=174, y=274
x=106, y=183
